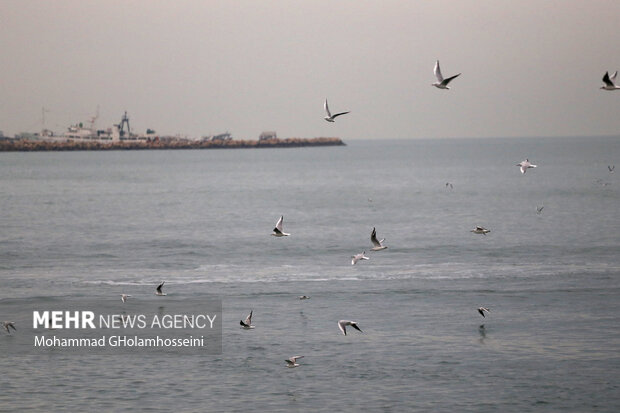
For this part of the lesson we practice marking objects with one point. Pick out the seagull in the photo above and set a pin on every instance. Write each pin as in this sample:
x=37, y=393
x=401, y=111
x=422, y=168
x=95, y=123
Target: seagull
x=330, y=117
x=480, y=230
x=124, y=297
x=277, y=231
x=481, y=310
x=355, y=258
x=291, y=362
x=303, y=297
x=609, y=81
x=441, y=83
x=342, y=325
x=7, y=324
x=611, y=168
x=378, y=245
x=248, y=321
x=158, y=291
x=539, y=209
x=525, y=165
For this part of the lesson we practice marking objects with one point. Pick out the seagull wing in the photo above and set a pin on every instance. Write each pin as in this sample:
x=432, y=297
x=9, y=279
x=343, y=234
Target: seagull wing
x=294, y=359
x=448, y=80
x=373, y=238
x=437, y=71
x=607, y=80
x=248, y=320
x=329, y=115
x=159, y=287
x=613, y=77
x=338, y=114
x=12, y=326
x=279, y=224
x=342, y=326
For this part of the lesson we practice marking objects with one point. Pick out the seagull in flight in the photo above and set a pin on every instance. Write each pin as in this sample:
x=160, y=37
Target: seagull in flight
x=248, y=321
x=611, y=168
x=482, y=310
x=480, y=230
x=124, y=297
x=330, y=117
x=609, y=81
x=525, y=165
x=355, y=258
x=342, y=325
x=7, y=324
x=303, y=297
x=378, y=245
x=277, y=231
x=292, y=362
x=441, y=83
x=158, y=291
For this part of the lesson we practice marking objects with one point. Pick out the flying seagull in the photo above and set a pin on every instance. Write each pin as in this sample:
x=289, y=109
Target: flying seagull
x=611, y=167
x=277, y=231
x=248, y=321
x=481, y=310
x=124, y=297
x=303, y=297
x=480, y=230
x=378, y=245
x=609, y=81
x=291, y=362
x=7, y=324
x=342, y=325
x=441, y=83
x=330, y=117
x=525, y=165
x=355, y=258
x=158, y=291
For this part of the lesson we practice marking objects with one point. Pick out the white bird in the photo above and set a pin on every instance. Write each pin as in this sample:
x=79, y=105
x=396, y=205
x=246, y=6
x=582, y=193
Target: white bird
x=378, y=245
x=355, y=258
x=611, y=168
x=158, y=291
x=248, y=321
x=480, y=230
x=7, y=324
x=609, y=81
x=539, y=209
x=278, y=231
x=303, y=297
x=481, y=310
x=441, y=83
x=330, y=117
x=291, y=362
x=342, y=325
x=124, y=297
x=525, y=165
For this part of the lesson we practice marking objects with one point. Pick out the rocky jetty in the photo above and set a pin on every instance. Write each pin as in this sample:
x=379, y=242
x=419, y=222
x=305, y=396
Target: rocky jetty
x=24, y=145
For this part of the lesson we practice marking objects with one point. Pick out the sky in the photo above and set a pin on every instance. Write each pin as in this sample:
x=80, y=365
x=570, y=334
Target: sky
x=199, y=67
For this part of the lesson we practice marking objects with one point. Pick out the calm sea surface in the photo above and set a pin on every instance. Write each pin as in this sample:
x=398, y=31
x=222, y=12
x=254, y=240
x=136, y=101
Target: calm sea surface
x=78, y=225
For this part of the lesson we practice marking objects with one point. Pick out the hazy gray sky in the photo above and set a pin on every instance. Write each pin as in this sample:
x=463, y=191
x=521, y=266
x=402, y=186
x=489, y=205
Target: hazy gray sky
x=196, y=67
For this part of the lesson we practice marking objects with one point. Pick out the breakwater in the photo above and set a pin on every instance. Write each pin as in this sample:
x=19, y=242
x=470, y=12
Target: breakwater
x=24, y=145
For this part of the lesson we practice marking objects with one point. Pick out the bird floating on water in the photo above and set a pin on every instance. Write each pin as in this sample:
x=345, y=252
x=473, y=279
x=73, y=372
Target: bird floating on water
x=124, y=297
x=158, y=291
x=525, y=165
x=480, y=230
x=378, y=244
x=342, y=325
x=441, y=83
x=7, y=324
x=248, y=321
x=482, y=310
x=609, y=81
x=278, y=231
x=355, y=258
x=292, y=361
x=330, y=117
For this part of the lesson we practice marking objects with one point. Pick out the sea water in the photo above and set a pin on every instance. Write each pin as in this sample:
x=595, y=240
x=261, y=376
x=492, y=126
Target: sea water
x=93, y=225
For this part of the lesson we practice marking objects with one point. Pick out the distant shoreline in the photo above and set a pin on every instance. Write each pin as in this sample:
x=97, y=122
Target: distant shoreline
x=40, y=145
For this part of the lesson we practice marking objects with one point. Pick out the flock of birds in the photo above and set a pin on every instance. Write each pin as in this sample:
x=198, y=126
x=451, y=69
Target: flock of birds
x=377, y=245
